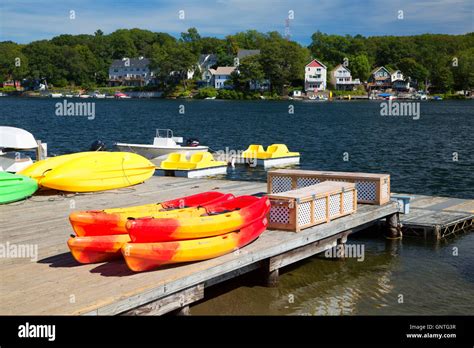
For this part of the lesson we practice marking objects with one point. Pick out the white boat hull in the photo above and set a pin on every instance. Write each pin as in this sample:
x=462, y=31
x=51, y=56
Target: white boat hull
x=9, y=163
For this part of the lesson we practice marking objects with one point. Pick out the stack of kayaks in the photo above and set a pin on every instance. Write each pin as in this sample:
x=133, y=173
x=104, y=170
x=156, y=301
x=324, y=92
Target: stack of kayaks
x=91, y=171
x=192, y=228
x=15, y=187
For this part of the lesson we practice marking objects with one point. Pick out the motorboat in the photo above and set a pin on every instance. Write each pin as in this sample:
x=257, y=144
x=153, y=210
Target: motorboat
x=12, y=141
x=56, y=95
x=164, y=143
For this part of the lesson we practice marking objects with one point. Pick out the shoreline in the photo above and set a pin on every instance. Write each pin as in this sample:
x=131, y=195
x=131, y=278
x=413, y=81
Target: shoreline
x=262, y=98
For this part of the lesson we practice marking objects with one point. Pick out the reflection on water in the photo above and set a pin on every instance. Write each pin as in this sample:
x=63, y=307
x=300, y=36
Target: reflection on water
x=397, y=277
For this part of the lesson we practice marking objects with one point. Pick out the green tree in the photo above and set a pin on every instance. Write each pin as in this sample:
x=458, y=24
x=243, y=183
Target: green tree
x=249, y=72
x=13, y=63
x=172, y=62
x=411, y=68
x=359, y=67
x=463, y=70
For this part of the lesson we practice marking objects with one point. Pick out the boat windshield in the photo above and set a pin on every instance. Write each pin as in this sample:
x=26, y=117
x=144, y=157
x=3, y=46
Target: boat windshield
x=164, y=133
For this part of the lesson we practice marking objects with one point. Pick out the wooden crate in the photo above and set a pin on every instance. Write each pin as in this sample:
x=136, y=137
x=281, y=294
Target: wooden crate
x=312, y=205
x=371, y=188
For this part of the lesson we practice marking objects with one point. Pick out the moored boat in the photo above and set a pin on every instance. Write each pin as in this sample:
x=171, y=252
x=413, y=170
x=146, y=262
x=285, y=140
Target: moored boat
x=164, y=144
x=12, y=141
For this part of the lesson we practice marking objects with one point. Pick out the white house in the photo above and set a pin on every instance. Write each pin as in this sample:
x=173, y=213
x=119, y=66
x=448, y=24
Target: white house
x=217, y=77
x=396, y=75
x=398, y=81
x=341, y=78
x=130, y=72
x=315, y=76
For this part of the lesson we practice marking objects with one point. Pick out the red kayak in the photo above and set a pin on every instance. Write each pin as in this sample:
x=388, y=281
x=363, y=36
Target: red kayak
x=220, y=218
x=112, y=221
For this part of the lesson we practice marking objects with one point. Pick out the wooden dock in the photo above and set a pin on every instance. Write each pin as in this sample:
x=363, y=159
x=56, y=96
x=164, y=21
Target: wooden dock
x=438, y=217
x=56, y=284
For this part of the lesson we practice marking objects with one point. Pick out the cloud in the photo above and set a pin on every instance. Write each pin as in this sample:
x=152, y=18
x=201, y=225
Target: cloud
x=25, y=20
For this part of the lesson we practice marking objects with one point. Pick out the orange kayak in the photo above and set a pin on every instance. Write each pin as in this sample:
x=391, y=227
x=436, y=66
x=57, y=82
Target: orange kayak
x=220, y=218
x=112, y=221
x=147, y=256
x=95, y=249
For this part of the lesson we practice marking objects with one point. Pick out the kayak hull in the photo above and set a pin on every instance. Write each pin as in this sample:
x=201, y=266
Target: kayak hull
x=39, y=169
x=15, y=187
x=113, y=221
x=147, y=256
x=99, y=171
x=222, y=218
x=97, y=248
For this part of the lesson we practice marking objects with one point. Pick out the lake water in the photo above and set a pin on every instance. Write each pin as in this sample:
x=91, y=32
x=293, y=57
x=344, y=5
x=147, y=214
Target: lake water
x=430, y=155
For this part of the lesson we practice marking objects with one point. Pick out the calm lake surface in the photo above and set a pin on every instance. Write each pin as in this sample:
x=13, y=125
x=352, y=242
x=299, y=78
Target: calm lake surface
x=417, y=153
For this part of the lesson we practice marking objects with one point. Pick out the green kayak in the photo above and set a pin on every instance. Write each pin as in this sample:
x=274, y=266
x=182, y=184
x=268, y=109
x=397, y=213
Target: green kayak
x=14, y=187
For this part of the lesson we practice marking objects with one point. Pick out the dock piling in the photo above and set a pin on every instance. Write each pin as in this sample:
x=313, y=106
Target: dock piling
x=393, y=228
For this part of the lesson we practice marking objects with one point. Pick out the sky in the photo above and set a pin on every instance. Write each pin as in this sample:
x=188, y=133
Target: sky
x=24, y=21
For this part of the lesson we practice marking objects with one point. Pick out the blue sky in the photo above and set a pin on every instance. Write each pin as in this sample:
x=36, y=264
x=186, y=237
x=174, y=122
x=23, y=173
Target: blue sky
x=24, y=21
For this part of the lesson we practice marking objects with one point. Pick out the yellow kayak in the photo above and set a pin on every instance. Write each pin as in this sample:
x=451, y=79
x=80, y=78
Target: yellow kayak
x=38, y=169
x=98, y=171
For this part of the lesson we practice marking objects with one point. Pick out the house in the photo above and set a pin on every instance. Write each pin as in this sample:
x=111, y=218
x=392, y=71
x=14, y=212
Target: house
x=380, y=79
x=341, y=79
x=399, y=83
x=315, y=76
x=217, y=77
x=130, y=72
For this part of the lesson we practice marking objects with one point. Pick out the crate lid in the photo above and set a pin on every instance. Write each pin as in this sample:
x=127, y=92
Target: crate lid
x=318, y=190
x=348, y=175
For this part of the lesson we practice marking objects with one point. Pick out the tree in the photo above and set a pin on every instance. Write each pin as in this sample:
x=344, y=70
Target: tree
x=441, y=78
x=13, y=63
x=283, y=61
x=463, y=70
x=193, y=40
x=359, y=67
x=172, y=62
x=249, y=72
x=411, y=68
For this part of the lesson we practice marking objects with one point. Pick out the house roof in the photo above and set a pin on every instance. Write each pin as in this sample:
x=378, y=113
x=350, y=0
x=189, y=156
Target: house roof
x=247, y=53
x=316, y=64
x=222, y=70
x=134, y=63
x=340, y=66
x=378, y=68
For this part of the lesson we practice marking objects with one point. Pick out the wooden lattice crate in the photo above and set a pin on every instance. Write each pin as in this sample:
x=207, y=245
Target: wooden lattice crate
x=312, y=205
x=371, y=188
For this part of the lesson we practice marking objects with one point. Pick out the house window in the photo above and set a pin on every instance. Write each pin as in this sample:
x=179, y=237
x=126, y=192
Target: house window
x=115, y=70
x=308, y=69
